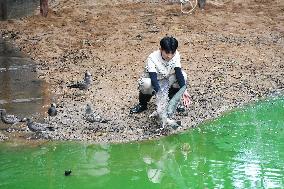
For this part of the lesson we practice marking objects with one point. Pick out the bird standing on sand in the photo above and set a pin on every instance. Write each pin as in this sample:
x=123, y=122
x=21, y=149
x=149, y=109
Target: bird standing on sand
x=85, y=84
x=38, y=127
x=92, y=117
x=88, y=109
x=9, y=119
x=201, y=4
x=52, y=111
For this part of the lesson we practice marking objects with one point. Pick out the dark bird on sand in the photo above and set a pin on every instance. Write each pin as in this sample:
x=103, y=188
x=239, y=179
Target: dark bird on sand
x=52, y=111
x=10, y=119
x=38, y=127
x=85, y=84
x=201, y=4
x=67, y=172
x=92, y=117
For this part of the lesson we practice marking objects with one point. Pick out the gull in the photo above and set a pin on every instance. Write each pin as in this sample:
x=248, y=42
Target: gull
x=92, y=117
x=9, y=119
x=85, y=84
x=165, y=115
x=38, y=127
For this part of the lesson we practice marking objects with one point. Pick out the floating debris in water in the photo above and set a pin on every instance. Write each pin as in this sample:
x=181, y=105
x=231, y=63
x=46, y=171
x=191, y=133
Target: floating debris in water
x=67, y=172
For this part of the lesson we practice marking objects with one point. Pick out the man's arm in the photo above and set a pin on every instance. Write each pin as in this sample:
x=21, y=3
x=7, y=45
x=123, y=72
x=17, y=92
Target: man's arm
x=154, y=81
x=179, y=76
x=181, y=82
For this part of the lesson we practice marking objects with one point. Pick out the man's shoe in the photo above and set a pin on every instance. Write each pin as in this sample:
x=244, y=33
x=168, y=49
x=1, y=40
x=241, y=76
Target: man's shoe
x=137, y=109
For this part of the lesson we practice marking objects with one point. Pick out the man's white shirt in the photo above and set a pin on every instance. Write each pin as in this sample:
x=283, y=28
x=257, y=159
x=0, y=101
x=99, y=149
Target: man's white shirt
x=163, y=68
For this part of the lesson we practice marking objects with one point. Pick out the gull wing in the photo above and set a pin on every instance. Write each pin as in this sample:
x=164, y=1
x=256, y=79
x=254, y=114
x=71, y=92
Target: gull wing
x=173, y=103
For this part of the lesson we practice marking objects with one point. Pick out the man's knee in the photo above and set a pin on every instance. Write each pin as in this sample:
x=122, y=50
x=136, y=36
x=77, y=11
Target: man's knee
x=145, y=86
x=184, y=75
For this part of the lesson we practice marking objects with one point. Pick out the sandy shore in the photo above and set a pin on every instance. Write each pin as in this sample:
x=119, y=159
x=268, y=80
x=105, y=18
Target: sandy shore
x=232, y=52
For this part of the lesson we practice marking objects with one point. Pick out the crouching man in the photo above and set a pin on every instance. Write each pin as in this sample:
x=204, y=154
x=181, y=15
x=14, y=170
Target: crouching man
x=163, y=64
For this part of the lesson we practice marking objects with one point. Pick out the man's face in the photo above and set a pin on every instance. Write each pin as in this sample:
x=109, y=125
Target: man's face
x=167, y=56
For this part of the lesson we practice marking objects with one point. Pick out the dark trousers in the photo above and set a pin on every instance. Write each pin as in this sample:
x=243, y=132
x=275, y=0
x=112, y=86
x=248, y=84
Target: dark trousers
x=145, y=98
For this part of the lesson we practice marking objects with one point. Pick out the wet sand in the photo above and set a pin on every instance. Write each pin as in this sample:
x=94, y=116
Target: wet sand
x=232, y=52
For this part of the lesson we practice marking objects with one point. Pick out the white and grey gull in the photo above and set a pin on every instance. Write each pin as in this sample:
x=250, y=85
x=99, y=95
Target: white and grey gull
x=38, y=127
x=85, y=84
x=10, y=119
x=92, y=116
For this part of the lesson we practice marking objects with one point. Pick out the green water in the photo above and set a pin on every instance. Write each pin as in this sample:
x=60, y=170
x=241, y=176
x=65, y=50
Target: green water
x=243, y=149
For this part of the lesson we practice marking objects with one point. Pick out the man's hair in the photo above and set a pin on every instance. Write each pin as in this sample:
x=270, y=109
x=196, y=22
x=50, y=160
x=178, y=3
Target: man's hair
x=169, y=44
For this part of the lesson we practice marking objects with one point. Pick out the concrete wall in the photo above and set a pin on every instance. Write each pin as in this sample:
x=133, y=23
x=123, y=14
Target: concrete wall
x=10, y=9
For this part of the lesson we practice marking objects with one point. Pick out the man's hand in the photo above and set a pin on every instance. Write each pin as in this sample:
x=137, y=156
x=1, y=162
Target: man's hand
x=186, y=99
